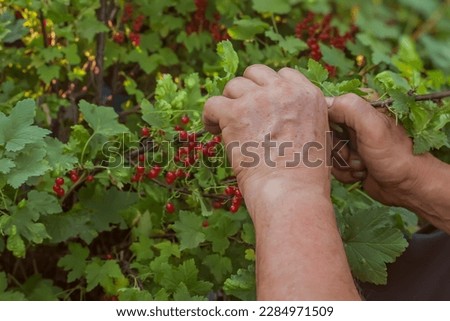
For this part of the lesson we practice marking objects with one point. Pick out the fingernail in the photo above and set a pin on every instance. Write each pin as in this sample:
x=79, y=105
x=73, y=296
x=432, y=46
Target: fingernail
x=329, y=101
x=359, y=174
x=355, y=163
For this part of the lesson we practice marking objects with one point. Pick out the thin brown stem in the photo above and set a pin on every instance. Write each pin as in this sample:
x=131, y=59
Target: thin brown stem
x=432, y=96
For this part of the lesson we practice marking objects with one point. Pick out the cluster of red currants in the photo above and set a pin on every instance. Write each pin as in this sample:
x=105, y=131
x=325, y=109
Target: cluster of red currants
x=314, y=31
x=136, y=26
x=74, y=178
x=236, y=199
x=200, y=22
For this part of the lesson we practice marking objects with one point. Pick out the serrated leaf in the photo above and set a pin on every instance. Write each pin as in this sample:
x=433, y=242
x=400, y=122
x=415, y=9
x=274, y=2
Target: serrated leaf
x=48, y=73
x=229, y=59
x=16, y=130
x=391, y=80
x=152, y=117
x=407, y=59
x=38, y=289
x=292, y=45
x=247, y=29
x=182, y=294
x=57, y=157
x=29, y=163
x=429, y=139
x=6, y=165
x=8, y=295
x=186, y=273
x=242, y=285
x=370, y=242
x=75, y=261
x=189, y=230
x=316, y=73
x=133, y=294
x=15, y=244
x=220, y=229
x=219, y=266
x=43, y=203
x=102, y=273
x=272, y=6
x=88, y=26
x=103, y=120
x=336, y=57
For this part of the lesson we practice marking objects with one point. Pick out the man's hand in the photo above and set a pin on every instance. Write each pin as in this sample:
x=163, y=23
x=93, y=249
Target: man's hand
x=382, y=157
x=284, y=105
x=381, y=151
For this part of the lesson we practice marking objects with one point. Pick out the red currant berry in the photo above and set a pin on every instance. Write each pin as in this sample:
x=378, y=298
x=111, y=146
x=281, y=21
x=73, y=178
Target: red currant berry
x=229, y=190
x=157, y=168
x=145, y=132
x=170, y=177
x=178, y=128
x=237, y=193
x=179, y=173
x=141, y=158
x=89, y=178
x=140, y=170
x=74, y=178
x=183, y=136
x=205, y=223
x=185, y=119
x=170, y=208
x=234, y=208
x=152, y=174
x=108, y=256
x=217, y=139
x=59, y=181
x=60, y=192
x=192, y=137
x=56, y=188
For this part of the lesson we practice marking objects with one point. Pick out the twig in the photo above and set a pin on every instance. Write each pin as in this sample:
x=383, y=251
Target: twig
x=44, y=30
x=100, y=53
x=432, y=96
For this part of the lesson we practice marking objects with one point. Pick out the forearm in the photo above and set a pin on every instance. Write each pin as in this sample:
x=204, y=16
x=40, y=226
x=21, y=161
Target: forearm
x=430, y=197
x=300, y=255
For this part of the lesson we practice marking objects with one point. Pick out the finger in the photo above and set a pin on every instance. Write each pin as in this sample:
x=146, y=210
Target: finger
x=238, y=86
x=293, y=75
x=345, y=177
x=260, y=74
x=354, y=112
x=216, y=112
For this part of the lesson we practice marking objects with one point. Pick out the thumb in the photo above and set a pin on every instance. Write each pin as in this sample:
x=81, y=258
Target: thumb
x=353, y=111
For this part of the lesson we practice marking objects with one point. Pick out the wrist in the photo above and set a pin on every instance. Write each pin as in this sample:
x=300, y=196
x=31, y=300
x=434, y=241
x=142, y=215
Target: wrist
x=271, y=190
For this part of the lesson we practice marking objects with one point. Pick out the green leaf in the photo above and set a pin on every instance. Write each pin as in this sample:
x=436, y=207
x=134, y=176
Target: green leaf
x=429, y=139
x=272, y=6
x=133, y=294
x=8, y=295
x=391, y=80
x=48, y=73
x=29, y=163
x=229, y=59
x=370, y=242
x=57, y=157
x=6, y=165
x=16, y=130
x=182, y=294
x=316, y=73
x=103, y=120
x=221, y=227
x=242, y=285
x=292, y=45
x=43, y=203
x=247, y=29
x=189, y=230
x=152, y=117
x=38, y=289
x=407, y=59
x=88, y=26
x=74, y=262
x=219, y=266
x=102, y=273
x=15, y=244
x=186, y=273
x=336, y=57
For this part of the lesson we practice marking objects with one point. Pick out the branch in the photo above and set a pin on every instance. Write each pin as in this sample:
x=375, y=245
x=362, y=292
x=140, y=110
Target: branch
x=432, y=96
x=100, y=53
x=44, y=30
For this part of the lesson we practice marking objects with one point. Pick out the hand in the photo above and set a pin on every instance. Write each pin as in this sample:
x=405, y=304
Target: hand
x=285, y=105
x=381, y=153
